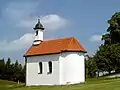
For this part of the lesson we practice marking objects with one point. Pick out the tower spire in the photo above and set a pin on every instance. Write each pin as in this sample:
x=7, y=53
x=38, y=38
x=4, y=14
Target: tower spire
x=38, y=20
x=39, y=32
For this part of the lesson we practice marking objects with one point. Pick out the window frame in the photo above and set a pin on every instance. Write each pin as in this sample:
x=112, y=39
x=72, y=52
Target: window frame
x=50, y=67
x=36, y=33
x=40, y=68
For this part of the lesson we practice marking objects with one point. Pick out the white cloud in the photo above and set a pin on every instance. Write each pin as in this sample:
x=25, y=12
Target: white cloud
x=22, y=43
x=53, y=22
x=16, y=11
x=50, y=22
x=24, y=15
x=96, y=38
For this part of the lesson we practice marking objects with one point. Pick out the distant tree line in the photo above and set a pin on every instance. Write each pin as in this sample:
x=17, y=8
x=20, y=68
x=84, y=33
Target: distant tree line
x=12, y=71
x=107, y=57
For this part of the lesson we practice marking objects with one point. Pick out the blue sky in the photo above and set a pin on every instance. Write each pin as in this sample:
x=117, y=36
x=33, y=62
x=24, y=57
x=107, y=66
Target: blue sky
x=84, y=19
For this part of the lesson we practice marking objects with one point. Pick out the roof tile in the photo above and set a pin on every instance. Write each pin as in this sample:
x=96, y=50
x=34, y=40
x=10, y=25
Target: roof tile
x=55, y=46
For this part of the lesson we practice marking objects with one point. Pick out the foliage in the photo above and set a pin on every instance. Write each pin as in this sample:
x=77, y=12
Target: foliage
x=91, y=67
x=2, y=65
x=113, y=35
x=107, y=57
x=12, y=71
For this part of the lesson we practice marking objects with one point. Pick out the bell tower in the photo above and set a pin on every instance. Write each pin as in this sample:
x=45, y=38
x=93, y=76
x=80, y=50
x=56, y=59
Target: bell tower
x=38, y=33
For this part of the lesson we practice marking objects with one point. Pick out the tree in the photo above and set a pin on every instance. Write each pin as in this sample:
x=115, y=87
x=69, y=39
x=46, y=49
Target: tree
x=104, y=58
x=113, y=35
x=2, y=66
x=16, y=71
x=108, y=55
x=22, y=74
x=107, y=58
x=8, y=70
x=12, y=71
x=114, y=55
x=91, y=67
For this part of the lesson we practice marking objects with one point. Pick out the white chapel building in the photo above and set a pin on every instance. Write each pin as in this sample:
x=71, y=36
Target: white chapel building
x=54, y=62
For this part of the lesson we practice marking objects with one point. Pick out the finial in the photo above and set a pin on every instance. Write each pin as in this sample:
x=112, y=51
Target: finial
x=38, y=19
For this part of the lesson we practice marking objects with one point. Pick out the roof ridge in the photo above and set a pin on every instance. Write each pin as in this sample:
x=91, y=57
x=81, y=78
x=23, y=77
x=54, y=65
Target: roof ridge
x=78, y=44
x=55, y=46
x=70, y=42
x=58, y=39
x=76, y=41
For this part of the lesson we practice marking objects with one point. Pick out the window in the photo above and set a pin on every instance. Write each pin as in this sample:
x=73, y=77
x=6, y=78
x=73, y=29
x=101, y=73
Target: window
x=40, y=67
x=50, y=67
x=36, y=33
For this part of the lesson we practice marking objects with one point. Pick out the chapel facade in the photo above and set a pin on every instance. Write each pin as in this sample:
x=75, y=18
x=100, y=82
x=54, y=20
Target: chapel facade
x=54, y=62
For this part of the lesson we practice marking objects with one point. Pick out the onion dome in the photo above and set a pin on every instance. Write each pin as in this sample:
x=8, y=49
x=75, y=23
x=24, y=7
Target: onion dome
x=39, y=25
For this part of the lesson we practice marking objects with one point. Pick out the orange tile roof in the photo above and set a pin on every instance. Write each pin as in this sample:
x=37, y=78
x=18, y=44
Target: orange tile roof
x=55, y=46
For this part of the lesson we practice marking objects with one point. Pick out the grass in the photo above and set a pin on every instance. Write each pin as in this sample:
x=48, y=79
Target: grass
x=90, y=84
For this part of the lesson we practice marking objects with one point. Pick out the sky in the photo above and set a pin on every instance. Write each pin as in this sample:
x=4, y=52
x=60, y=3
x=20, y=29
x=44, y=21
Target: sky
x=86, y=20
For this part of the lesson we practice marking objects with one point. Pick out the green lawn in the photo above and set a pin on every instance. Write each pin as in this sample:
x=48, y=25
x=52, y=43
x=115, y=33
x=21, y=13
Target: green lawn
x=91, y=84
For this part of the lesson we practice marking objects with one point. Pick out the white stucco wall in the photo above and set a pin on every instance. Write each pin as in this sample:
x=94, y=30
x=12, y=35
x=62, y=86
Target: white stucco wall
x=32, y=76
x=72, y=68
x=68, y=68
x=40, y=35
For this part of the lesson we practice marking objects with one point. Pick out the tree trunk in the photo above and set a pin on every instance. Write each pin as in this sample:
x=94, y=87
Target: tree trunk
x=109, y=72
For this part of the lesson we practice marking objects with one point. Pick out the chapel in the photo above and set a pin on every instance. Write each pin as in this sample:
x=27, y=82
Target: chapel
x=54, y=62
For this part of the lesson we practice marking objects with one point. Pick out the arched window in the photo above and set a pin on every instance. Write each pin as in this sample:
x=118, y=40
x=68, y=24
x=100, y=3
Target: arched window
x=50, y=67
x=40, y=67
x=36, y=33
